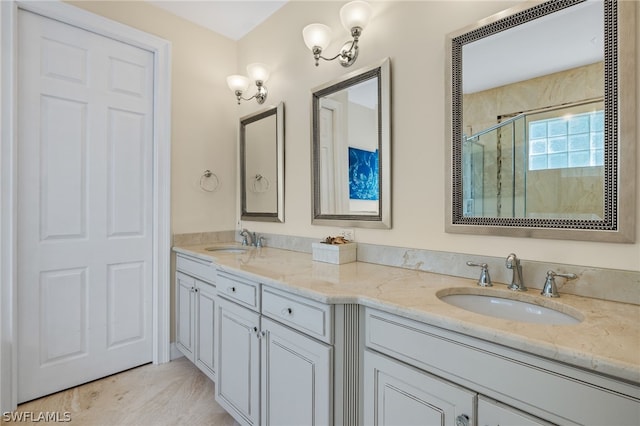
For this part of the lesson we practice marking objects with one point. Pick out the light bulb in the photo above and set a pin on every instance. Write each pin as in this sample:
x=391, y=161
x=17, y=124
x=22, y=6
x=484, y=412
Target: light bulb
x=355, y=14
x=258, y=72
x=316, y=35
x=237, y=83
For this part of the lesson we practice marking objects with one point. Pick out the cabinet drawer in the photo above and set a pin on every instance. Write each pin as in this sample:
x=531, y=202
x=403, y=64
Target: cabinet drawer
x=196, y=268
x=310, y=317
x=492, y=412
x=238, y=289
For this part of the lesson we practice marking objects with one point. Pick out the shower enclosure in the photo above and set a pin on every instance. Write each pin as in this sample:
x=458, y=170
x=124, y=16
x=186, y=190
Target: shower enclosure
x=539, y=164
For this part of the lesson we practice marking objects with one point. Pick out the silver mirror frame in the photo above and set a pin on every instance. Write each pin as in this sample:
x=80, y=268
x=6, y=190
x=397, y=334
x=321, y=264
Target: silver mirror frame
x=277, y=216
x=620, y=138
x=382, y=220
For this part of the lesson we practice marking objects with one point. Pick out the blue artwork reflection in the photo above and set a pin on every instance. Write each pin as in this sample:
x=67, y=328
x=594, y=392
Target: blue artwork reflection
x=363, y=174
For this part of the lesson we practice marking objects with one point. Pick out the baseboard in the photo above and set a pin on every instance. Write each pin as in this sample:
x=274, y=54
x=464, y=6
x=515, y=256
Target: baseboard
x=174, y=353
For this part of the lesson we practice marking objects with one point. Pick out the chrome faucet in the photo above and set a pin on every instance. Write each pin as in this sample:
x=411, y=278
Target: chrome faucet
x=550, y=289
x=247, y=238
x=513, y=263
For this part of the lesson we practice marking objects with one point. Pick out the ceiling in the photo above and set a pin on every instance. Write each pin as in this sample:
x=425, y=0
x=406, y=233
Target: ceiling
x=532, y=48
x=563, y=40
x=231, y=18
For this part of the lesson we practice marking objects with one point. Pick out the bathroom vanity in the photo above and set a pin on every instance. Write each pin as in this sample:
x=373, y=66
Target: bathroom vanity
x=302, y=342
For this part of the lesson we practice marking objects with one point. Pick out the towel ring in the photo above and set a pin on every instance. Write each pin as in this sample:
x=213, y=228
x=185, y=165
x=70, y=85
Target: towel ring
x=260, y=183
x=209, y=181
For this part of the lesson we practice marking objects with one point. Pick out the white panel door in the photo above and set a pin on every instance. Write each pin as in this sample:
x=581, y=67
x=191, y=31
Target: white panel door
x=85, y=105
x=334, y=157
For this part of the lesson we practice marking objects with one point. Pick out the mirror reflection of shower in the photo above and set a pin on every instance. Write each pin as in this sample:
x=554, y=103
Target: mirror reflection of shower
x=472, y=175
x=512, y=168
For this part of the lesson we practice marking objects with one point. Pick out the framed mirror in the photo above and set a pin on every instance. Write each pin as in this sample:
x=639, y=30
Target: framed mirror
x=262, y=165
x=541, y=122
x=351, y=150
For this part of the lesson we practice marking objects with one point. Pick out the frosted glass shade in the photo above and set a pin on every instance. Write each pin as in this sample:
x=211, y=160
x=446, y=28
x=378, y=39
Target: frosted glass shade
x=237, y=83
x=355, y=14
x=316, y=35
x=258, y=71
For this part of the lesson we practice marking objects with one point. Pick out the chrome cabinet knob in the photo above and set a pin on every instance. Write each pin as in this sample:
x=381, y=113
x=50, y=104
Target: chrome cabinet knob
x=462, y=420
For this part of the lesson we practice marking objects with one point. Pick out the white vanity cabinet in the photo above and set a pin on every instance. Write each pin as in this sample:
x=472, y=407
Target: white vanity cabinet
x=185, y=315
x=238, y=361
x=396, y=394
x=512, y=387
x=493, y=413
x=195, y=302
x=205, y=299
x=296, y=360
x=296, y=377
x=274, y=354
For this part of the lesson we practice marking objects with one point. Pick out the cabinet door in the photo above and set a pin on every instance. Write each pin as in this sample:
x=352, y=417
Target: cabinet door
x=185, y=324
x=205, y=303
x=296, y=378
x=493, y=413
x=237, y=361
x=396, y=394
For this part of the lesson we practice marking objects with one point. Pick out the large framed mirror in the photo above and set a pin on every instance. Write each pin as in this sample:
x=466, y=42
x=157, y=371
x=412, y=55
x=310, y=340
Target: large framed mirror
x=262, y=165
x=351, y=149
x=541, y=122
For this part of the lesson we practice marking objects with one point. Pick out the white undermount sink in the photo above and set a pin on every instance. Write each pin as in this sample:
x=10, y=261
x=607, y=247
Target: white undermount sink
x=510, y=309
x=228, y=249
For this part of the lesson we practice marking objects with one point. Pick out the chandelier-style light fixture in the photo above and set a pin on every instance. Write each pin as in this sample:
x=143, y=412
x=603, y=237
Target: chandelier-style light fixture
x=259, y=73
x=355, y=17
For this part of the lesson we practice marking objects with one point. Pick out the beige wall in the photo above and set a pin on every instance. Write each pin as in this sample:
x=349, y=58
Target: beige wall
x=203, y=128
x=412, y=34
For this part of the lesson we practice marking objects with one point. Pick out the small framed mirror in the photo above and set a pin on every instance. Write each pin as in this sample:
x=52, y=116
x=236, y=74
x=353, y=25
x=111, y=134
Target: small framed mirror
x=262, y=165
x=351, y=150
x=541, y=122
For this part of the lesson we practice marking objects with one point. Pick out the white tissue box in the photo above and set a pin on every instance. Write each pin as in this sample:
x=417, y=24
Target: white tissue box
x=334, y=253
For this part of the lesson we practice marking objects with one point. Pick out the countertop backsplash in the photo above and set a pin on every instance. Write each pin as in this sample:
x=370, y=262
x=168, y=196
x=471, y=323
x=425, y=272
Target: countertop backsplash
x=599, y=283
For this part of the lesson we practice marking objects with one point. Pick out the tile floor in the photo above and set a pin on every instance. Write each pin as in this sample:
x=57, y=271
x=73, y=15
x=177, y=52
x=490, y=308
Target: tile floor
x=175, y=393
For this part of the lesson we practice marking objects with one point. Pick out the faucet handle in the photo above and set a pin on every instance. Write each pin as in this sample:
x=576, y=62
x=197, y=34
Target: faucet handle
x=550, y=289
x=485, y=279
x=260, y=241
x=243, y=234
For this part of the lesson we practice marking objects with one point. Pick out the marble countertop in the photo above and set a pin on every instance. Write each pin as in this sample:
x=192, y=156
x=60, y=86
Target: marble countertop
x=607, y=340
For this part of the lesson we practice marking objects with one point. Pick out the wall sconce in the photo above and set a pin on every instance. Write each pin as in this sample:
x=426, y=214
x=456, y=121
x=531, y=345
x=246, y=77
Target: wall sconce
x=354, y=17
x=239, y=83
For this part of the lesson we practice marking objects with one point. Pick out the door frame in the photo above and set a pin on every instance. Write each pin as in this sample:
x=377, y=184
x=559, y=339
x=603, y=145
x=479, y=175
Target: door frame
x=161, y=50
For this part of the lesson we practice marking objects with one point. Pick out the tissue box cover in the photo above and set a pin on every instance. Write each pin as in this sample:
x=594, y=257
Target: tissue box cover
x=334, y=253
